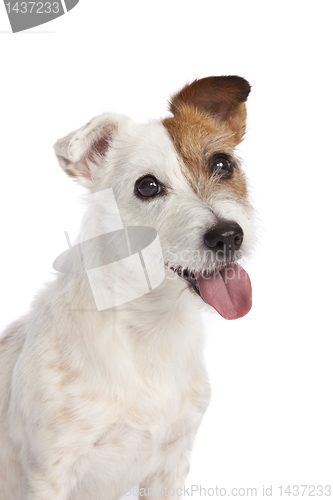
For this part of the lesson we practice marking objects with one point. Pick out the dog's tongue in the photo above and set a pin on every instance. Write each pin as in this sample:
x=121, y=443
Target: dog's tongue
x=229, y=291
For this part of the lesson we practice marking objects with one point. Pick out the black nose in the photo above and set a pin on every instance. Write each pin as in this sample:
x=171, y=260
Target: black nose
x=226, y=236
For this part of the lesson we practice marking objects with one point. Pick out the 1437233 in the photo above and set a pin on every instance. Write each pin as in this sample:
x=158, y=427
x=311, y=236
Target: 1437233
x=33, y=7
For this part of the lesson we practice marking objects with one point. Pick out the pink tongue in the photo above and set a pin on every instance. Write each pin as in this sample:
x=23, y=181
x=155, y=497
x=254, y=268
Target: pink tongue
x=229, y=292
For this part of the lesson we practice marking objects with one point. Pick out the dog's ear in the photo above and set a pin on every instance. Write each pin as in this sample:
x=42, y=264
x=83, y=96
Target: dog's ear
x=82, y=153
x=221, y=97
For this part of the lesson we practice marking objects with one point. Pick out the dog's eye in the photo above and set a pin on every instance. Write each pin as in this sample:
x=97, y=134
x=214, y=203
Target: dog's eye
x=223, y=165
x=147, y=186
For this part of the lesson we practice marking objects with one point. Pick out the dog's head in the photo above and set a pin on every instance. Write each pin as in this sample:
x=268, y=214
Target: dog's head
x=180, y=176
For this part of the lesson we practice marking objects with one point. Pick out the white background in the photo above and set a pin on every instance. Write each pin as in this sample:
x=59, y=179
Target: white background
x=270, y=420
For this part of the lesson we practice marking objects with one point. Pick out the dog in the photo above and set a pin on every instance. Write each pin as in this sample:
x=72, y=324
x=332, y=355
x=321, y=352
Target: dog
x=96, y=400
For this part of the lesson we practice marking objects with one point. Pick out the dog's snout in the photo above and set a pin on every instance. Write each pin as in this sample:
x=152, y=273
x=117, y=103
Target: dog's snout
x=226, y=236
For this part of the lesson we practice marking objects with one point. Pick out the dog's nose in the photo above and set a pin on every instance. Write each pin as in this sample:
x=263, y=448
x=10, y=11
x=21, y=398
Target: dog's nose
x=226, y=236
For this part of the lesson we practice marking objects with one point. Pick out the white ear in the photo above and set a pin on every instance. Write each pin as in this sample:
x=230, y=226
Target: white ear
x=82, y=153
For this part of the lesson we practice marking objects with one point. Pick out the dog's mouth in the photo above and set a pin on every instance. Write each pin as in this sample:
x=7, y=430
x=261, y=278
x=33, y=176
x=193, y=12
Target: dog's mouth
x=227, y=289
x=187, y=275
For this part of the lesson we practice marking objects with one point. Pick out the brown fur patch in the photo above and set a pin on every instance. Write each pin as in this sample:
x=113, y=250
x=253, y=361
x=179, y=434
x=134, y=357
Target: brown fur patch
x=197, y=137
x=209, y=118
x=204, y=93
x=220, y=97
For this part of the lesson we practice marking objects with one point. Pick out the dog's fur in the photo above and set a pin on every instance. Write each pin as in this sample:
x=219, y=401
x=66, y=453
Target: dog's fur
x=93, y=402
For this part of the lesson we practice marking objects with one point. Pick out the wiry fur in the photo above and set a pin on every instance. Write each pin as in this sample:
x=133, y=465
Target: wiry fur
x=93, y=402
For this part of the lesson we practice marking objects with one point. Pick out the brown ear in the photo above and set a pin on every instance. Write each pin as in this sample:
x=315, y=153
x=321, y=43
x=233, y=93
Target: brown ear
x=221, y=97
x=82, y=153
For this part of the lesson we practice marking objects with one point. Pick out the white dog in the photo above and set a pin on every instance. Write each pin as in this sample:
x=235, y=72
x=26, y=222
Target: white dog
x=96, y=400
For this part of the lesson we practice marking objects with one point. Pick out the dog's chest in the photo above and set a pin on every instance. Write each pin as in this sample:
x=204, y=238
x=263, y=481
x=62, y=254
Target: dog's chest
x=144, y=435
x=141, y=399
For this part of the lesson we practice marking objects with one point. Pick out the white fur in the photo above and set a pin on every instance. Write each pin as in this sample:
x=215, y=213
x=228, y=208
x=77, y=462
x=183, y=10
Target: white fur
x=95, y=402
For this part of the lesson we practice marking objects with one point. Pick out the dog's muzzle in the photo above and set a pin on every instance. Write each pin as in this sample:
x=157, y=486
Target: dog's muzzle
x=228, y=287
